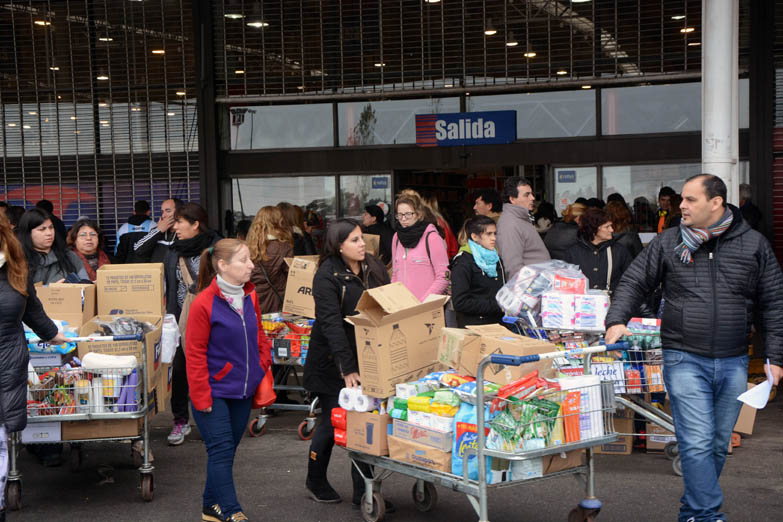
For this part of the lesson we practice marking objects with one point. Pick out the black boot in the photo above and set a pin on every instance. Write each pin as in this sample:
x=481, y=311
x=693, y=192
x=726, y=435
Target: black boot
x=319, y=488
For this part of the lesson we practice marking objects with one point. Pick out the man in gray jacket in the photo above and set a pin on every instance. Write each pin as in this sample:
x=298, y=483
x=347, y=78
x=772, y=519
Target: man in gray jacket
x=518, y=241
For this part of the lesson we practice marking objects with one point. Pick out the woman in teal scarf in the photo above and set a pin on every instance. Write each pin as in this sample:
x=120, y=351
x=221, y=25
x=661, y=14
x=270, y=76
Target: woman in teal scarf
x=477, y=275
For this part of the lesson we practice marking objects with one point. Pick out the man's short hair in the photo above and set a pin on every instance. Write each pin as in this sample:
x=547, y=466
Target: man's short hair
x=141, y=207
x=46, y=205
x=666, y=191
x=511, y=187
x=491, y=197
x=745, y=192
x=714, y=187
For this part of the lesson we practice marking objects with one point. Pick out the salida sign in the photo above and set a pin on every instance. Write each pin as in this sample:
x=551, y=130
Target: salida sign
x=466, y=128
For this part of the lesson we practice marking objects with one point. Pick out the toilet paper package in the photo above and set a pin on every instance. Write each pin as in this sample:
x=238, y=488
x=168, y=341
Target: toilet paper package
x=352, y=399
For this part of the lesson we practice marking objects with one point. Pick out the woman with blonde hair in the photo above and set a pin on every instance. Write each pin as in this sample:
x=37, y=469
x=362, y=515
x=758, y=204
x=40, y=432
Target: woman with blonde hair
x=563, y=234
x=294, y=220
x=270, y=242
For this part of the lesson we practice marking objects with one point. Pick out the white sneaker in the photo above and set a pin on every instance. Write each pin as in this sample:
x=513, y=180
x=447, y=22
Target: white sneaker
x=178, y=433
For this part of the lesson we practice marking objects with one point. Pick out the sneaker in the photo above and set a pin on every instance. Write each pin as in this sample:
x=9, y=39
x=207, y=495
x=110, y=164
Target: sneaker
x=236, y=517
x=322, y=491
x=178, y=433
x=212, y=514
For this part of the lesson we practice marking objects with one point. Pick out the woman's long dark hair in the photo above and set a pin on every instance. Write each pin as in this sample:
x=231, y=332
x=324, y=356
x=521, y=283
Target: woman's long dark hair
x=31, y=220
x=336, y=234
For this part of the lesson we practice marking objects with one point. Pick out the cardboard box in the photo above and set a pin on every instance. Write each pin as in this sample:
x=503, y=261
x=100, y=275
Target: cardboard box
x=396, y=337
x=298, y=299
x=41, y=432
x=562, y=461
x=498, y=339
x=44, y=359
x=74, y=303
x=132, y=289
x=427, y=436
x=101, y=429
x=747, y=418
x=657, y=437
x=453, y=341
x=372, y=243
x=368, y=432
x=163, y=387
x=419, y=454
x=431, y=421
x=624, y=443
x=151, y=340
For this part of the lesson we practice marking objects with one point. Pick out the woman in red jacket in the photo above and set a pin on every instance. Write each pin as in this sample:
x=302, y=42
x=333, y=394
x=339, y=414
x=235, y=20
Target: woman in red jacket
x=227, y=355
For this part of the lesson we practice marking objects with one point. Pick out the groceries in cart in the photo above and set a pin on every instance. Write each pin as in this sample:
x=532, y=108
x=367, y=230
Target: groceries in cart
x=290, y=335
x=97, y=384
x=35, y=345
x=522, y=293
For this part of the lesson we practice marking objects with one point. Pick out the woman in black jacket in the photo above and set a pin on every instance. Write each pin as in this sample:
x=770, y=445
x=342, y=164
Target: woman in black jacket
x=561, y=236
x=624, y=230
x=344, y=273
x=601, y=260
x=477, y=275
x=18, y=303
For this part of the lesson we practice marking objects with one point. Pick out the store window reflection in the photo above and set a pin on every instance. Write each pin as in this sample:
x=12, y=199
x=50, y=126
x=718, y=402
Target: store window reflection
x=312, y=193
x=281, y=126
x=358, y=191
x=572, y=183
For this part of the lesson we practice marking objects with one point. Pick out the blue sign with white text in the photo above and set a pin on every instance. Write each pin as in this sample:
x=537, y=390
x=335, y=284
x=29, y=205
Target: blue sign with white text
x=380, y=182
x=466, y=128
x=566, y=176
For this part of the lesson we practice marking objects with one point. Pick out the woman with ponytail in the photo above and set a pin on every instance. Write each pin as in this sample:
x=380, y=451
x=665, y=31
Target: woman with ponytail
x=18, y=303
x=227, y=355
x=47, y=257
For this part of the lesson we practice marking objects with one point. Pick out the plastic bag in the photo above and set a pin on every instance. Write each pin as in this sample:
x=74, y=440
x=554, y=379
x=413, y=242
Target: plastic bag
x=265, y=393
x=522, y=293
x=169, y=339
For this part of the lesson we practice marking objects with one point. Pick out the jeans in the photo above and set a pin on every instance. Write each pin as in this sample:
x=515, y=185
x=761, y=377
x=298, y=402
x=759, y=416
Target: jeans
x=703, y=393
x=179, y=386
x=222, y=431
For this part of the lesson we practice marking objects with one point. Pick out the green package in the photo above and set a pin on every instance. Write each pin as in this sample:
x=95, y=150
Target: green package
x=400, y=404
x=447, y=397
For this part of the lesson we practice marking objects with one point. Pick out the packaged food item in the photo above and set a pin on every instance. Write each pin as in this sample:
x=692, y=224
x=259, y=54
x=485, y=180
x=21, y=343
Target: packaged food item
x=446, y=397
x=398, y=413
x=340, y=437
x=406, y=390
x=467, y=392
x=444, y=410
x=519, y=388
x=339, y=418
x=400, y=404
x=452, y=380
x=571, y=407
x=432, y=380
x=420, y=403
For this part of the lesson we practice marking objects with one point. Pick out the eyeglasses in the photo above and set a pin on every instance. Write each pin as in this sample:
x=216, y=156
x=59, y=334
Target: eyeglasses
x=405, y=215
x=85, y=235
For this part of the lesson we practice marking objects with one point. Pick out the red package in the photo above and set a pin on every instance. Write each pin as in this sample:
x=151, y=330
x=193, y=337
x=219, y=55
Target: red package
x=340, y=437
x=633, y=381
x=519, y=385
x=338, y=419
x=570, y=410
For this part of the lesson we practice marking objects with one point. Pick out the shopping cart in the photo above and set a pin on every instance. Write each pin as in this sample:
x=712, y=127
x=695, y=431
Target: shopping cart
x=290, y=336
x=424, y=492
x=66, y=394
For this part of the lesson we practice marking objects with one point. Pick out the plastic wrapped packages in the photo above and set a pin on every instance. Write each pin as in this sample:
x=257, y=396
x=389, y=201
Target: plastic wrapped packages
x=169, y=339
x=522, y=293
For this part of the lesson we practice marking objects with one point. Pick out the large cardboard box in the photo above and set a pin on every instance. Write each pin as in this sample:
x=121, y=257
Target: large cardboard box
x=419, y=454
x=372, y=243
x=429, y=437
x=101, y=429
x=40, y=432
x=367, y=432
x=453, y=341
x=298, y=299
x=623, y=424
x=74, y=303
x=132, y=289
x=396, y=337
x=151, y=342
x=498, y=339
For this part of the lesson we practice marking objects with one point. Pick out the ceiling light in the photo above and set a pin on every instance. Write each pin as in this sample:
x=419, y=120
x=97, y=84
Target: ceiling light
x=239, y=71
x=26, y=127
x=678, y=17
x=561, y=72
x=511, y=42
x=42, y=22
x=587, y=86
x=258, y=25
x=106, y=39
x=530, y=54
x=32, y=113
x=579, y=1
x=54, y=68
x=74, y=117
x=59, y=97
x=380, y=64
x=687, y=30
x=105, y=125
x=103, y=104
x=102, y=75
x=490, y=30
x=694, y=44
x=234, y=16
x=171, y=114
x=136, y=109
x=300, y=87
x=158, y=51
x=76, y=131
x=447, y=85
x=180, y=93
x=104, y=121
x=432, y=1
x=12, y=124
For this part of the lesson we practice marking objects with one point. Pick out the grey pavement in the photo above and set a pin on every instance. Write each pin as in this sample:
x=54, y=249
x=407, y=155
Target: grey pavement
x=270, y=473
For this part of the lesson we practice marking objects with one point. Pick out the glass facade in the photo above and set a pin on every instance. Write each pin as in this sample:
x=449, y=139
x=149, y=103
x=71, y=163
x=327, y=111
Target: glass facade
x=572, y=183
x=281, y=126
x=364, y=189
x=315, y=193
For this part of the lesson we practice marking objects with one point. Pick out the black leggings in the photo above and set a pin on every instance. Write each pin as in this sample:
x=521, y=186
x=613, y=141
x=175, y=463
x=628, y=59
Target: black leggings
x=323, y=438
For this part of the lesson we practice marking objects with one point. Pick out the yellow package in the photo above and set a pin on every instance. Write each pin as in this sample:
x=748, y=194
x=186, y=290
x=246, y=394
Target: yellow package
x=420, y=404
x=444, y=410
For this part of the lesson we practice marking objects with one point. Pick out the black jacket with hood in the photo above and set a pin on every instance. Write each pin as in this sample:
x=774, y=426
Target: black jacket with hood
x=593, y=261
x=710, y=304
x=332, y=350
x=473, y=291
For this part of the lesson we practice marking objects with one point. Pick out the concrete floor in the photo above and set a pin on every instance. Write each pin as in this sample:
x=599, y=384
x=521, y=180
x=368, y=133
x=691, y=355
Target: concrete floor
x=270, y=473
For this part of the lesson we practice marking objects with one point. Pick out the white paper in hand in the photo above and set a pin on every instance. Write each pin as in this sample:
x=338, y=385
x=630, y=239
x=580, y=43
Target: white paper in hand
x=758, y=396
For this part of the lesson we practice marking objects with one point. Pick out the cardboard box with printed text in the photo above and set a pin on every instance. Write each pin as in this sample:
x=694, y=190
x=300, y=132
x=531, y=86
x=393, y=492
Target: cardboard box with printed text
x=132, y=289
x=396, y=337
x=74, y=303
x=454, y=341
x=419, y=454
x=367, y=432
x=298, y=299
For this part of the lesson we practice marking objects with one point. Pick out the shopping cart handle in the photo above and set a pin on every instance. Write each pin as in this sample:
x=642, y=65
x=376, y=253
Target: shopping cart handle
x=618, y=346
x=130, y=337
x=510, y=319
x=512, y=360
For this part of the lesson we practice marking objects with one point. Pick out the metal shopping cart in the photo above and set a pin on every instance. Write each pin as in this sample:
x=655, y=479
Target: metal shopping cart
x=69, y=396
x=290, y=336
x=424, y=492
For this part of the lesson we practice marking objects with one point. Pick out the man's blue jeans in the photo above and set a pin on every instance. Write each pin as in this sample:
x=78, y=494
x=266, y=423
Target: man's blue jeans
x=222, y=431
x=703, y=392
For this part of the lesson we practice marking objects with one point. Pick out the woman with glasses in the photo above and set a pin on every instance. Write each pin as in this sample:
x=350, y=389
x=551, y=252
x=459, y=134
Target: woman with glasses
x=86, y=241
x=419, y=258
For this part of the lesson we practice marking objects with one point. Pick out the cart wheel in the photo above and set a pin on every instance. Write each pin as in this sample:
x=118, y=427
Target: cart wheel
x=14, y=495
x=378, y=511
x=677, y=466
x=580, y=514
x=671, y=450
x=257, y=427
x=147, y=486
x=305, y=433
x=425, y=501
